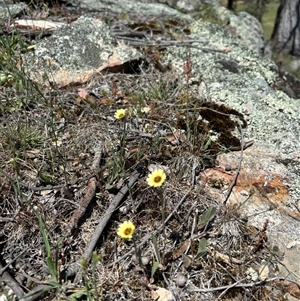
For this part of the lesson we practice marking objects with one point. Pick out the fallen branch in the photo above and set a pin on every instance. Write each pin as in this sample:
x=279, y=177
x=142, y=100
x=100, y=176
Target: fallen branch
x=89, y=195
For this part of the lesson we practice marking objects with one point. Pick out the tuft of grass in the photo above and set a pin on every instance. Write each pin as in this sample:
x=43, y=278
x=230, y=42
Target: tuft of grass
x=22, y=137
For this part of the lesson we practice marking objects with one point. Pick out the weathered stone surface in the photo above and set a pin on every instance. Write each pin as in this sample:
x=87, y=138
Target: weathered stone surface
x=134, y=7
x=245, y=26
x=76, y=52
x=261, y=193
x=9, y=9
x=268, y=185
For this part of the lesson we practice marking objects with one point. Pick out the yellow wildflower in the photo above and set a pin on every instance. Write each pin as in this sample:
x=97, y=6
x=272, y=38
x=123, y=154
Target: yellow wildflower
x=56, y=143
x=156, y=178
x=126, y=229
x=120, y=113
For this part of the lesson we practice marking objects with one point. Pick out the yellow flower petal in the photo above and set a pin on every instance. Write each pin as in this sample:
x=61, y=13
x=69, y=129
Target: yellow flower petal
x=126, y=229
x=121, y=113
x=156, y=178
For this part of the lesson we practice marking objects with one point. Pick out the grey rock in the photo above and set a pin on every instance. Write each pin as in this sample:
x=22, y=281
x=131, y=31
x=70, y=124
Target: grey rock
x=9, y=9
x=135, y=7
x=245, y=26
x=238, y=76
x=76, y=52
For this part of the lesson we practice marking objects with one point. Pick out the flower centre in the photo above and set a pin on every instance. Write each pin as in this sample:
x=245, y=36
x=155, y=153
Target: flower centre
x=127, y=231
x=157, y=179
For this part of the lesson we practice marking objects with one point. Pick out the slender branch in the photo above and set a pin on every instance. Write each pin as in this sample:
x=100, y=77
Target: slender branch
x=89, y=195
x=239, y=165
x=236, y=284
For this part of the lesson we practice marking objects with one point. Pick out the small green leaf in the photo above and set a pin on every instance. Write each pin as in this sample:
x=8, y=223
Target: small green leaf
x=186, y=260
x=95, y=257
x=52, y=268
x=201, y=248
x=154, y=268
x=77, y=295
x=208, y=215
x=154, y=241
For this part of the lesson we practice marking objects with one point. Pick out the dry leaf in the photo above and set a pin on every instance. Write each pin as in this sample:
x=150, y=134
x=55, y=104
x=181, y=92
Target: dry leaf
x=226, y=49
x=166, y=169
x=294, y=290
x=263, y=272
x=186, y=260
x=182, y=248
x=78, y=100
x=161, y=294
x=171, y=138
x=83, y=93
x=146, y=109
x=91, y=100
x=38, y=24
x=176, y=137
x=134, y=150
x=45, y=192
x=225, y=258
x=292, y=244
x=119, y=95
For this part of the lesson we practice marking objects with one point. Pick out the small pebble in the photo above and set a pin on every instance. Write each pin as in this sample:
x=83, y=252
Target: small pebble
x=145, y=259
x=181, y=280
x=227, y=167
x=124, y=209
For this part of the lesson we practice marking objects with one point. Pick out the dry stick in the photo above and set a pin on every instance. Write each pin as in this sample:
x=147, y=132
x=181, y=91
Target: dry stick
x=150, y=234
x=236, y=284
x=239, y=165
x=10, y=281
x=90, y=193
x=73, y=269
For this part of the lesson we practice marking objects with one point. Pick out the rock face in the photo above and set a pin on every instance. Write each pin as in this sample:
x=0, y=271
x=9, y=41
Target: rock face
x=76, y=52
x=227, y=62
x=138, y=8
x=8, y=9
x=235, y=74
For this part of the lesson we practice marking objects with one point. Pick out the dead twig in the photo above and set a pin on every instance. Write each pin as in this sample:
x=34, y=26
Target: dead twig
x=235, y=285
x=36, y=293
x=89, y=195
x=239, y=165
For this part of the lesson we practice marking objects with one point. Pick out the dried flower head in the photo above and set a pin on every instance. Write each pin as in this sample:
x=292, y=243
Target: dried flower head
x=126, y=229
x=156, y=178
x=121, y=113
